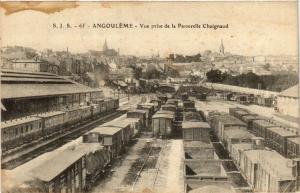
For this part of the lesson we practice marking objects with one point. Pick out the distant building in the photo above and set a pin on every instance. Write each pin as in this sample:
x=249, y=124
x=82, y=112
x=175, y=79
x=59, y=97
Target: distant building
x=31, y=65
x=109, y=52
x=222, y=49
x=288, y=101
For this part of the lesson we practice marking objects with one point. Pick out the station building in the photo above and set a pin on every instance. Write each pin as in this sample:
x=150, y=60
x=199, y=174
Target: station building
x=288, y=101
x=26, y=93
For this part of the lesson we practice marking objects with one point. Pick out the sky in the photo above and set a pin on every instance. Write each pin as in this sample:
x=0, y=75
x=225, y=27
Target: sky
x=255, y=28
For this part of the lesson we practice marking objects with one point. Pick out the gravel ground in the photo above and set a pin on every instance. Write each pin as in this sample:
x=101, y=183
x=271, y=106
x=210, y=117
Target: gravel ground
x=113, y=183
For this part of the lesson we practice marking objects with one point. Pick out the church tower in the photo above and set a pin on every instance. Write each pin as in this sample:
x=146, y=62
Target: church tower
x=222, y=49
x=105, y=47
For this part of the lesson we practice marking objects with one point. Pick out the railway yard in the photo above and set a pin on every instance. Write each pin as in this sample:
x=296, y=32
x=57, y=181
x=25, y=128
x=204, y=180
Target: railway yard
x=176, y=143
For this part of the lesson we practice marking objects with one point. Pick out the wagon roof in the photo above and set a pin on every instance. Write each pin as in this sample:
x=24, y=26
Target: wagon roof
x=242, y=146
x=20, y=121
x=165, y=112
x=49, y=114
x=138, y=111
x=129, y=119
x=295, y=140
x=194, y=124
x=197, y=144
x=242, y=112
x=216, y=187
x=252, y=117
x=146, y=105
x=172, y=100
x=227, y=119
x=116, y=123
x=238, y=133
x=264, y=123
x=163, y=115
x=169, y=105
x=282, y=131
x=107, y=130
x=53, y=167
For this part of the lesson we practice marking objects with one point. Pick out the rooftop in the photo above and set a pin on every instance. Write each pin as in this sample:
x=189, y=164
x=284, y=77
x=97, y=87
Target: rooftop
x=15, y=84
x=53, y=167
x=194, y=124
x=291, y=92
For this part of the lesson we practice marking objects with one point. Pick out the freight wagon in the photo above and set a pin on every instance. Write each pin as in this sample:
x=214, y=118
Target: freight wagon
x=70, y=170
x=126, y=129
x=276, y=138
x=293, y=150
x=223, y=122
x=111, y=139
x=169, y=108
x=233, y=136
x=162, y=123
x=195, y=130
x=248, y=119
x=140, y=114
x=260, y=126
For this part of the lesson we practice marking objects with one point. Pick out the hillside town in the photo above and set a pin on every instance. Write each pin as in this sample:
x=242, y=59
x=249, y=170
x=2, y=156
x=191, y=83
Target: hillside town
x=97, y=67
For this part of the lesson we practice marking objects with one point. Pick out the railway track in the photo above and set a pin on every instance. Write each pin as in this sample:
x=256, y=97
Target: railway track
x=21, y=156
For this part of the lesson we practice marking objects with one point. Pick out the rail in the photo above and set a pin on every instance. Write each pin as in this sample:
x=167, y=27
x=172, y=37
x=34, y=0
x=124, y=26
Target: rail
x=22, y=156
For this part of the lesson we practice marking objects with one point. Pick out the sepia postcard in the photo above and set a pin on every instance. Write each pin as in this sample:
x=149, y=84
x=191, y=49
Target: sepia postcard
x=149, y=97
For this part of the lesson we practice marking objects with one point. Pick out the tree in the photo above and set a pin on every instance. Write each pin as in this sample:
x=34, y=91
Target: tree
x=214, y=76
x=137, y=73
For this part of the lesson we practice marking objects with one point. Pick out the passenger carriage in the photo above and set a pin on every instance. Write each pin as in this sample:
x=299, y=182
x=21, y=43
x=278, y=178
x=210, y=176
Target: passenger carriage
x=52, y=121
x=18, y=131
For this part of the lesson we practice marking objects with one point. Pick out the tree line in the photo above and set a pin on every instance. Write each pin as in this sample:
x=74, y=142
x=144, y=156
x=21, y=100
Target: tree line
x=275, y=82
